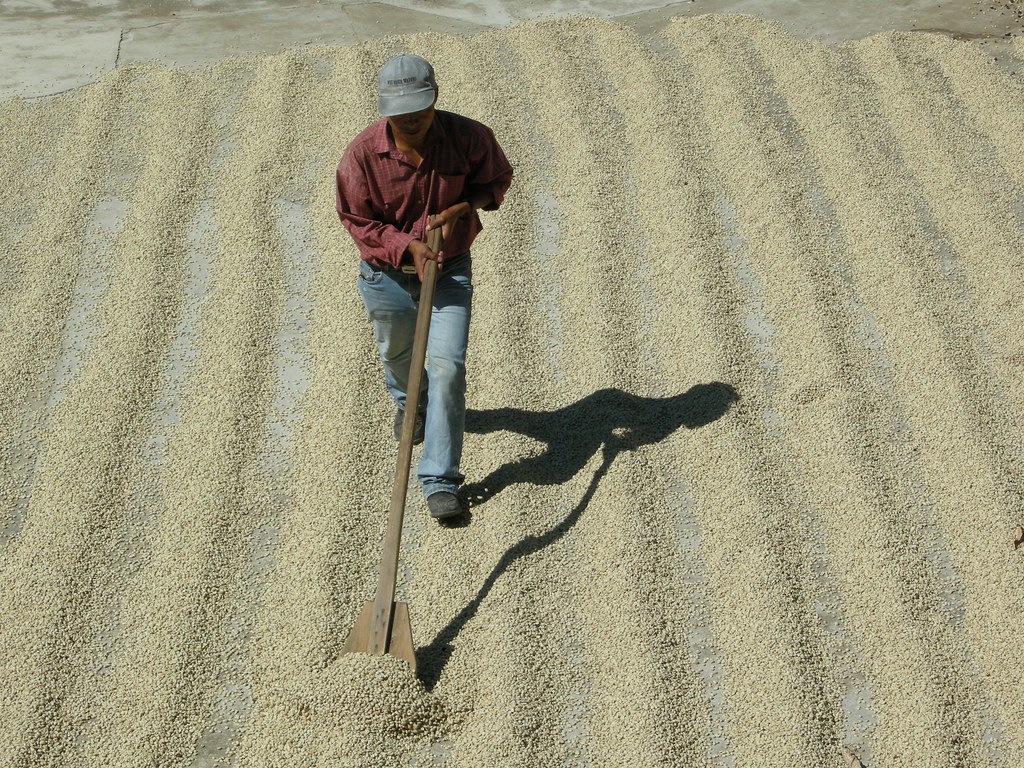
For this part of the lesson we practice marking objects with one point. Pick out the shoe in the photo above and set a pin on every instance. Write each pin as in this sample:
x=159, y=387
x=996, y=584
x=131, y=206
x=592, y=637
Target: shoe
x=443, y=504
x=417, y=430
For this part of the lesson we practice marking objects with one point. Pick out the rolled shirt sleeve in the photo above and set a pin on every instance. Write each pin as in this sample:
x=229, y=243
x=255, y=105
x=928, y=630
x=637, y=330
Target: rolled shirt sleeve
x=491, y=171
x=377, y=240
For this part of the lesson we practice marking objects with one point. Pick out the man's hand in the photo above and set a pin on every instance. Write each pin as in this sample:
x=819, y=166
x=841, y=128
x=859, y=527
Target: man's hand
x=446, y=219
x=421, y=254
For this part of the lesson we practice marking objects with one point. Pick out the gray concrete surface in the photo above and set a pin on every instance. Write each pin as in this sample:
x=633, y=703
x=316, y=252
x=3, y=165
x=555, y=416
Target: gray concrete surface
x=50, y=46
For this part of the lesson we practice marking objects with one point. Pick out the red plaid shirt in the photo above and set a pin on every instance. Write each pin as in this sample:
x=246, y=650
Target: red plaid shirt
x=384, y=200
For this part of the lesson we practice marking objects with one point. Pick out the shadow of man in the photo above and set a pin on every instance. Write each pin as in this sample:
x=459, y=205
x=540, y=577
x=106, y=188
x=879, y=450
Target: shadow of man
x=609, y=420
x=608, y=417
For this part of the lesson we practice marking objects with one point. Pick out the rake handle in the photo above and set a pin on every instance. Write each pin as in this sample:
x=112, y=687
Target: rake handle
x=380, y=628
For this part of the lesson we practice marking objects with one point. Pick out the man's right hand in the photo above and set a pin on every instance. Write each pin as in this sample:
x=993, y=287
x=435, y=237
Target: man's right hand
x=420, y=255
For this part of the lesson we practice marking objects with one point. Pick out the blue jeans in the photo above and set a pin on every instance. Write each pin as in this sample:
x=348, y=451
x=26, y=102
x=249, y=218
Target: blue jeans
x=391, y=299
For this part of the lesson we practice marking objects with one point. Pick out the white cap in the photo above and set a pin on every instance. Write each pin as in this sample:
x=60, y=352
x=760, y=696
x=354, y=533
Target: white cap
x=405, y=84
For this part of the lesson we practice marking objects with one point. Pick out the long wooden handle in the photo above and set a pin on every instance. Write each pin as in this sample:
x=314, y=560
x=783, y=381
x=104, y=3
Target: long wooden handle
x=380, y=628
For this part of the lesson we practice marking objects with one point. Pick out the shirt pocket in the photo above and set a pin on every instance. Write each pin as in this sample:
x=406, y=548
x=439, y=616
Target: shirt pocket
x=450, y=180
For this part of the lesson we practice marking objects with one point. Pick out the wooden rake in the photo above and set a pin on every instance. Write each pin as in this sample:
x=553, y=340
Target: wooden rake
x=383, y=625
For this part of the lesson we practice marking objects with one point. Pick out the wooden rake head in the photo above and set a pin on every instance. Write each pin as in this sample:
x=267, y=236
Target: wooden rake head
x=395, y=638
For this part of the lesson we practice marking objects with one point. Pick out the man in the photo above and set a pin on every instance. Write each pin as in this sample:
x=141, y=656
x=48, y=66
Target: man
x=416, y=163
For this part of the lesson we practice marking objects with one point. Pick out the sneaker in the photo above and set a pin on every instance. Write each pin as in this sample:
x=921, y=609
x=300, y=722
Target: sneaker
x=444, y=504
x=417, y=430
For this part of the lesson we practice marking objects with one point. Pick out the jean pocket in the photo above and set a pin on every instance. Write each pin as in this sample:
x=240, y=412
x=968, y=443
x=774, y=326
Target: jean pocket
x=368, y=274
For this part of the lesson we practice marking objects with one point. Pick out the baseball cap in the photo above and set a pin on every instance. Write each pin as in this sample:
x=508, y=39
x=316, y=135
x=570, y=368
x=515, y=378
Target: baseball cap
x=405, y=84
